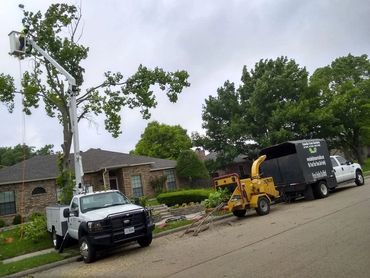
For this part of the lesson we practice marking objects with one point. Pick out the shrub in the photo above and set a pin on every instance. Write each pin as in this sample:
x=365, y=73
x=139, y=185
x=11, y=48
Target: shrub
x=184, y=196
x=17, y=219
x=34, y=215
x=140, y=201
x=2, y=223
x=158, y=183
x=216, y=198
x=35, y=229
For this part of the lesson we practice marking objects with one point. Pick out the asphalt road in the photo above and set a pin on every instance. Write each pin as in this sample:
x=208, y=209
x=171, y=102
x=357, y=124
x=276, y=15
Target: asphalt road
x=321, y=238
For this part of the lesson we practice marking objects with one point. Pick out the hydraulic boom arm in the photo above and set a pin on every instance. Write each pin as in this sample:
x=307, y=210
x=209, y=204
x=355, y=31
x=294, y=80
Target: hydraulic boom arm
x=15, y=50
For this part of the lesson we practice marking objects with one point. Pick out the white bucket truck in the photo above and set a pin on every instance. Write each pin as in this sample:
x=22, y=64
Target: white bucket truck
x=94, y=219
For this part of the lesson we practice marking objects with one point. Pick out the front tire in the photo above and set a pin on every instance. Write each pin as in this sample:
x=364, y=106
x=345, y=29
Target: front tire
x=263, y=206
x=359, y=178
x=240, y=213
x=57, y=240
x=321, y=190
x=146, y=240
x=87, y=250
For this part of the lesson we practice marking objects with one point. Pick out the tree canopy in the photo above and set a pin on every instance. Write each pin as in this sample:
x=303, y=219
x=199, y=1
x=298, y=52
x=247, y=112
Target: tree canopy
x=265, y=109
x=189, y=166
x=163, y=141
x=276, y=102
x=58, y=32
x=12, y=155
x=343, y=88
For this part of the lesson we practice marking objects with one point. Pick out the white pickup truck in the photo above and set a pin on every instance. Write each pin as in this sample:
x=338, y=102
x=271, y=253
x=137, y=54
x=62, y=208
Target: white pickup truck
x=98, y=220
x=346, y=171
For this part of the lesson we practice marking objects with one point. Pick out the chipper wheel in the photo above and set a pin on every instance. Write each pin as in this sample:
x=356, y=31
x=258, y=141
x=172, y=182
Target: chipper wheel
x=263, y=206
x=240, y=213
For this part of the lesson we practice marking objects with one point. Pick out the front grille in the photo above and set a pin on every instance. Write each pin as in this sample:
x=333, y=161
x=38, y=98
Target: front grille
x=117, y=223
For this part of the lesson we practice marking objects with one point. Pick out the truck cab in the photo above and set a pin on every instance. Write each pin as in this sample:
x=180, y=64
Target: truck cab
x=101, y=219
x=346, y=171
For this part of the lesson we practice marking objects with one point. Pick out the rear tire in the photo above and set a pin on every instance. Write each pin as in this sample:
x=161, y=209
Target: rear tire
x=263, y=206
x=240, y=213
x=57, y=240
x=87, y=250
x=146, y=240
x=359, y=178
x=321, y=190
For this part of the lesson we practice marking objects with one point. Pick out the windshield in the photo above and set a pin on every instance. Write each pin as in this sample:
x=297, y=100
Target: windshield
x=102, y=200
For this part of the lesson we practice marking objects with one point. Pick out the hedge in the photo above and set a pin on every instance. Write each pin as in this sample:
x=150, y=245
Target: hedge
x=184, y=196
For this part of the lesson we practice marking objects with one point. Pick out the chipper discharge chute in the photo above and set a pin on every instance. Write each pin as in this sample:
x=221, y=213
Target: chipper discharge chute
x=255, y=192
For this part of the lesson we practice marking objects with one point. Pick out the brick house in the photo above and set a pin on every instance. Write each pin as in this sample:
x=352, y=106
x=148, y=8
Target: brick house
x=29, y=186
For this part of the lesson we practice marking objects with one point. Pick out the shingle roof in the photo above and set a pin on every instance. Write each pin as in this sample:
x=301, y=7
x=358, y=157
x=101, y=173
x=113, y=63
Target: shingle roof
x=239, y=159
x=93, y=160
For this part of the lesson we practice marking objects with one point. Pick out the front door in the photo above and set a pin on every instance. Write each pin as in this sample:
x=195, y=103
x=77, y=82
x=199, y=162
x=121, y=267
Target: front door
x=339, y=171
x=113, y=183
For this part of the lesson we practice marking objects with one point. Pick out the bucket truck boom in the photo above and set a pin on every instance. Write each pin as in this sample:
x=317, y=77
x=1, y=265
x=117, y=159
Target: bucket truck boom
x=15, y=50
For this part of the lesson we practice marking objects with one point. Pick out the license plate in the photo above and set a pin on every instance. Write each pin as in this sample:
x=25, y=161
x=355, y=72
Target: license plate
x=129, y=230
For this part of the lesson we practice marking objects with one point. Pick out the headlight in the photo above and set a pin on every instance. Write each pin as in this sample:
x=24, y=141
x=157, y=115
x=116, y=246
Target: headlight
x=94, y=227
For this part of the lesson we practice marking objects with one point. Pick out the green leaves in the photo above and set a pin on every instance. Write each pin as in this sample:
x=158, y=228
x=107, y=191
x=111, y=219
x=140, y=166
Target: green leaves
x=275, y=103
x=264, y=110
x=57, y=32
x=344, y=88
x=190, y=166
x=163, y=141
x=7, y=90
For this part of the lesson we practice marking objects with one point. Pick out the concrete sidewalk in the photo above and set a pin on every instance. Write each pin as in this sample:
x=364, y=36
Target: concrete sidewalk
x=29, y=255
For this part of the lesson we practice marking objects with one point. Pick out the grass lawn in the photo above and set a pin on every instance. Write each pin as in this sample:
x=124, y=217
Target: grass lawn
x=14, y=267
x=11, y=245
x=152, y=202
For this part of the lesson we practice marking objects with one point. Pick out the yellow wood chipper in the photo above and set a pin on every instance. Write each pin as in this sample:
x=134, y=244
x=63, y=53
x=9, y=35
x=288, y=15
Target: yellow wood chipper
x=255, y=192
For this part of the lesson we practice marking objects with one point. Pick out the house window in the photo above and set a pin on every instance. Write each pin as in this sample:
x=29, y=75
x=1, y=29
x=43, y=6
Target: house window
x=38, y=190
x=171, y=180
x=137, y=187
x=7, y=203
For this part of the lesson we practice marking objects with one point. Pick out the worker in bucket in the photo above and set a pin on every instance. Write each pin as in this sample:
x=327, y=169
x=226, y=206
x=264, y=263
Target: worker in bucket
x=22, y=39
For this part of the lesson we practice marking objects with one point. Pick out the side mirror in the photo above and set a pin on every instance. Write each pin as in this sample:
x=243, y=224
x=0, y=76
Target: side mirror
x=349, y=162
x=66, y=212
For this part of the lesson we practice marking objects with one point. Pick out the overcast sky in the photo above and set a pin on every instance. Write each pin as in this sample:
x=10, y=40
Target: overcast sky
x=211, y=39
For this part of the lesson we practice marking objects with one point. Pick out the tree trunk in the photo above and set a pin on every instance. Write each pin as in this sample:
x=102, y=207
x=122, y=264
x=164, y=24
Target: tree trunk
x=67, y=142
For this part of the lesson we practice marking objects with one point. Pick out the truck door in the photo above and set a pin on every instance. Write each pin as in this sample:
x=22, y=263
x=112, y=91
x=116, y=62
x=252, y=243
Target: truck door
x=338, y=169
x=74, y=220
x=347, y=168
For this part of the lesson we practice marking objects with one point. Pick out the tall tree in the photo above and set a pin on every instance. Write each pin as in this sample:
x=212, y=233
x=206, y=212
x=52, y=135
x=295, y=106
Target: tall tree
x=58, y=32
x=163, y=141
x=189, y=166
x=271, y=105
x=343, y=88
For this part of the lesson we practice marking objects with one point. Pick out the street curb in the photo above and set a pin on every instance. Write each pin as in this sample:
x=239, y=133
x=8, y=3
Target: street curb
x=75, y=258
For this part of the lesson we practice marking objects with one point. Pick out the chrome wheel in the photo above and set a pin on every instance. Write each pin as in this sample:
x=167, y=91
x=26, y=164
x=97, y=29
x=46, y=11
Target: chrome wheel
x=84, y=249
x=323, y=189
